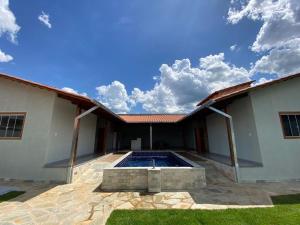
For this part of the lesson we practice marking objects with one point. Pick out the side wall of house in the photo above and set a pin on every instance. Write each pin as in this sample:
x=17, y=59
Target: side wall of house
x=166, y=136
x=25, y=158
x=217, y=134
x=47, y=133
x=62, y=130
x=280, y=156
x=244, y=129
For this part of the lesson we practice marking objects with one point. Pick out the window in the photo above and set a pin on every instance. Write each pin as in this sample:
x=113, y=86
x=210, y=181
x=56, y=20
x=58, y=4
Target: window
x=290, y=124
x=11, y=125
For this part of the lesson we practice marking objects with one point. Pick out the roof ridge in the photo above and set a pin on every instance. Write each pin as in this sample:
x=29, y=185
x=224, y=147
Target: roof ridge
x=19, y=79
x=59, y=92
x=244, y=84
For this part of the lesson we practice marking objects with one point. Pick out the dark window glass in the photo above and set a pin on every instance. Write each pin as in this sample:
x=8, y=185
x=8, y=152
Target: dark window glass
x=294, y=127
x=291, y=125
x=286, y=125
x=4, y=121
x=298, y=121
x=18, y=126
x=11, y=125
x=3, y=125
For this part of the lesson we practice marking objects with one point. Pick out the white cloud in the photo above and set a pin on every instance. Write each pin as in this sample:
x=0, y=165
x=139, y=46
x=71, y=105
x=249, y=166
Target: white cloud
x=45, y=19
x=115, y=97
x=177, y=88
x=281, y=21
x=8, y=23
x=180, y=86
x=280, y=61
x=233, y=47
x=5, y=57
x=279, y=35
x=72, y=91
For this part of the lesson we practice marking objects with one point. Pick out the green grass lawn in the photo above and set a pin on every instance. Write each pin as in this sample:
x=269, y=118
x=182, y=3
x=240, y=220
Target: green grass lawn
x=285, y=212
x=10, y=195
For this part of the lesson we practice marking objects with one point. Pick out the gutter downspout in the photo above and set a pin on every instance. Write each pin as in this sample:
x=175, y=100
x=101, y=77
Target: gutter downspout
x=73, y=154
x=229, y=117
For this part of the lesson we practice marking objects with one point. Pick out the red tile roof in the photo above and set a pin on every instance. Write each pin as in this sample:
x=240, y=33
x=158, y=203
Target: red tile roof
x=151, y=118
x=235, y=91
x=82, y=101
x=217, y=96
x=226, y=91
x=243, y=88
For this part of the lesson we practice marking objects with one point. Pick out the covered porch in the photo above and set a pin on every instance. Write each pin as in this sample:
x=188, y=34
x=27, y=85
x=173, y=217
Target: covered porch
x=150, y=132
x=208, y=133
x=148, y=136
x=225, y=134
x=205, y=133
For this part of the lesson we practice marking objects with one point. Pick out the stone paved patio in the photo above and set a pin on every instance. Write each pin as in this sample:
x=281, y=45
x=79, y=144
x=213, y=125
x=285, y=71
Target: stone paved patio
x=83, y=202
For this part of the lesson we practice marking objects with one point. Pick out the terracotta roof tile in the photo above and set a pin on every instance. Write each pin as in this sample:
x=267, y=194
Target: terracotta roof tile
x=83, y=101
x=151, y=118
x=226, y=91
x=242, y=88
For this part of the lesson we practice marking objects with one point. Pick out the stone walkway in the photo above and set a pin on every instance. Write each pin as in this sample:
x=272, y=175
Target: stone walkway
x=84, y=203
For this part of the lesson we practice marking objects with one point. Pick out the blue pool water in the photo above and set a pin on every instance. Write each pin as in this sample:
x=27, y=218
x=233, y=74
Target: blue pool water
x=147, y=159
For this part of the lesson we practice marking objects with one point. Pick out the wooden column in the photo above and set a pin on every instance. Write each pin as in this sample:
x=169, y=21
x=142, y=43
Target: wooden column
x=73, y=153
x=229, y=132
x=205, y=136
x=183, y=136
x=150, y=136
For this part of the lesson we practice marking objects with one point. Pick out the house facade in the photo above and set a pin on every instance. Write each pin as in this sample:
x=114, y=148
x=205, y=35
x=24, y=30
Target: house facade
x=266, y=123
x=37, y=130
x=46, y=130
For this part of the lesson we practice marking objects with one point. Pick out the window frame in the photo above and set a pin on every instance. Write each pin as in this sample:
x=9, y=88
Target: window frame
x=22, y=129
x=295, y=113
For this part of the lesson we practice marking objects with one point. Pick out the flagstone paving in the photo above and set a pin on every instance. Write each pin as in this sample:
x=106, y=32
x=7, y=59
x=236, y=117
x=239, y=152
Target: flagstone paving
x=83, y=202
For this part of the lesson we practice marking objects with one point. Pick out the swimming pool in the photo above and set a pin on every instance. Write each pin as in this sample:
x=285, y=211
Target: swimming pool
x=153, y=171
x=153, y=159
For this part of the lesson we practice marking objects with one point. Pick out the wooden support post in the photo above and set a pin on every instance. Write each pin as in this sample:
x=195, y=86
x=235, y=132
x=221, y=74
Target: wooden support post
x=73, y=153
x=232, y=142
x=183, y=137
x=150, y=136
x=205, y=136
x=229, y=132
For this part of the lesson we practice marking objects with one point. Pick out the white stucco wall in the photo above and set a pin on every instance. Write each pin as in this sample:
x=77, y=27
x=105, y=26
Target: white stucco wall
x=86, y=139
x=46, y=136
x=280, y=156
x=244, y=129
x=62, y=130
x=217, y=134
x=25, y=158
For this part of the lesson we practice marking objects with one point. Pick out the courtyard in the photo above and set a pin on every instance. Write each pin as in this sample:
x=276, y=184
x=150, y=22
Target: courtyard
x=83, y=202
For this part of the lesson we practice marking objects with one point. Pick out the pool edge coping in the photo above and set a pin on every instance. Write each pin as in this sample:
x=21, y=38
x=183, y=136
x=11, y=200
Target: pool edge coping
x=193, y=164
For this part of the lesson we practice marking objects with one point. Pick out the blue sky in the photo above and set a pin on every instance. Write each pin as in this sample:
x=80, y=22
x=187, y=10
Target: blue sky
x=93, y=43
